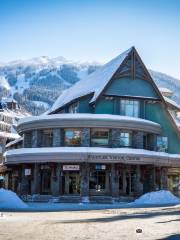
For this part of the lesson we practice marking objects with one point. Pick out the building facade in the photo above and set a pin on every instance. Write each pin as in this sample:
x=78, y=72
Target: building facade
x=110, y=136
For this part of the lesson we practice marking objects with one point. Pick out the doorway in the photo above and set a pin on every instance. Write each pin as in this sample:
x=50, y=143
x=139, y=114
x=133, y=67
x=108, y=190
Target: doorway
x=71, y=183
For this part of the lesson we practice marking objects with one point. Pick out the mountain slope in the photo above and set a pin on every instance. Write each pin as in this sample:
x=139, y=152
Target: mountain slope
x=36, y=83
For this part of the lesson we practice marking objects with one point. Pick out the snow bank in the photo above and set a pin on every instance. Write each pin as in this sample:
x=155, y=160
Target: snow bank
x=9, y=200
x=158, y=197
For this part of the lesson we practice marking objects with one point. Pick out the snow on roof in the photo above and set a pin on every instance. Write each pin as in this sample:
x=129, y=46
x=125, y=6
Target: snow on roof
x=14, y=142
x=93, y=83
x=165, y=90
x=9, y=135
x=88, y=150
x=83, y=116
x=171, y=102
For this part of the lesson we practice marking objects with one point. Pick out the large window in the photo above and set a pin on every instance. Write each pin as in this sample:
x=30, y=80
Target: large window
x=99, y=137
x=72, y=137
x=46, y=138
x=129, y=108
x=162, y=144
x=97, y=180
x=125, y=139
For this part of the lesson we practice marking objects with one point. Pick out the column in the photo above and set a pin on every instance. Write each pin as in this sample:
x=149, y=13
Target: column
x=35, y=185
x=164, y=178
x=85, y=170
x=114, y=182
x=57, y=137
x=55, y=180
x=34, y=138
x=85, y=137
x=24, y=182
x=138, y=184
x=138, y=140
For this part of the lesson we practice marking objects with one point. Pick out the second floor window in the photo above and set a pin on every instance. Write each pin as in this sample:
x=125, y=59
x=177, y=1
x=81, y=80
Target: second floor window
x=129, y=108
x=46, y=138
x=162, y=144
x=125, y=139
x=99, y=137
x=72, y=137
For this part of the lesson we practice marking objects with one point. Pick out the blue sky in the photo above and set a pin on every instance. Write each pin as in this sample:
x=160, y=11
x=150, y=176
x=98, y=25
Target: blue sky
x=92, y=30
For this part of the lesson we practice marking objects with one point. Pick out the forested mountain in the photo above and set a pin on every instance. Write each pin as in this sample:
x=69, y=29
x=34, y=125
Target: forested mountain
x=36, y=83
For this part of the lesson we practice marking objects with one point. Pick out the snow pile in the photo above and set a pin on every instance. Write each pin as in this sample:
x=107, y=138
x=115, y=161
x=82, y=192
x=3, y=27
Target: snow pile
x=9, y=200
x=158, y=197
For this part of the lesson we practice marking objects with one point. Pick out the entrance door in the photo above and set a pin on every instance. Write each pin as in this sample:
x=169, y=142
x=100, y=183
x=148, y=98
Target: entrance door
x=97, y=182
x=71, y=183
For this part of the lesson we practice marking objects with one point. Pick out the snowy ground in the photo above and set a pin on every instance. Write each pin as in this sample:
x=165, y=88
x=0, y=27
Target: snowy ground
x=120, y=223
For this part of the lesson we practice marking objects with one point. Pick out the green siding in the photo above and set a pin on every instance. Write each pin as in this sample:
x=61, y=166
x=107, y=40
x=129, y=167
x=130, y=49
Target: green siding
x=84, y=106
x=156, y=113
x=131, y=87
x=104, y=106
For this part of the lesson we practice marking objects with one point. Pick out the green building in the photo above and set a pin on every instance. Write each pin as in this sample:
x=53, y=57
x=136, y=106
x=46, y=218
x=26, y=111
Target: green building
x=112, y=135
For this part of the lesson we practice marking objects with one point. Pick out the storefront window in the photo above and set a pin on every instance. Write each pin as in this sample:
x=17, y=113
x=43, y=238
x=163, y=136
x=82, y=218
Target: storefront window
x=97, y=180
x=162, y=144
x=129, y=108
x=46, y=138
x=72, y=137
x=125, y=139
x=99, y=137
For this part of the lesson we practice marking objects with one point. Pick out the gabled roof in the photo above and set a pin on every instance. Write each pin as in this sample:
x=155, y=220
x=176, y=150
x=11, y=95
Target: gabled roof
x=93, y=83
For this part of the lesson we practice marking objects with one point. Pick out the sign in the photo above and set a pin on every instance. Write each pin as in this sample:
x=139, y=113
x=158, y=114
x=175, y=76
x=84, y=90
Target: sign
x=71, y=167
x=27, y=172
x=113, y=157
x=100, y=167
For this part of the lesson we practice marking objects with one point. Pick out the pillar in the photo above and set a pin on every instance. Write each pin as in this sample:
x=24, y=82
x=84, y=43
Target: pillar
x=35, y=185
x=24, y=182
x=114, y=182
x=55, y=180
x=85, y=137
x=34, y=138
x=57, y=137
x=85, y=170
x=163, y=178
x=138, y=184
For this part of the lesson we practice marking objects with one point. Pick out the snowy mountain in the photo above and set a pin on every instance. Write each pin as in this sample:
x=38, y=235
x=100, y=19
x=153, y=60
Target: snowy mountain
x=36, y=83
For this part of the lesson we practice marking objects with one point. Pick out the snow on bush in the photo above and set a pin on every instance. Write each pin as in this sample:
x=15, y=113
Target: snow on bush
x=158, y=197
x=9, y=200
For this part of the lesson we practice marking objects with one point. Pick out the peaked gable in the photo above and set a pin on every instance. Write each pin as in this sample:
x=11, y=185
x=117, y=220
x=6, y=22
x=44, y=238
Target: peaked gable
x=94, y=83
x=126, y=64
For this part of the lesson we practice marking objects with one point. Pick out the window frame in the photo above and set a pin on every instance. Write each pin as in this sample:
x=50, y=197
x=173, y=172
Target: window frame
x=124, y=102
x=129, y=139
x=99, y=130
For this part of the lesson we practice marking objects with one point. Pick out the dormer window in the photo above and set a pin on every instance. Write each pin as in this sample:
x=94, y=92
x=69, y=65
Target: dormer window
x=129, y=107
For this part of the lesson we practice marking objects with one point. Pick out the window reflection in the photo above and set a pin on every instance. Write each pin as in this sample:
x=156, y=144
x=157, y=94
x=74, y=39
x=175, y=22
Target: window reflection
x=72, y=137
x=99, y=137
x=129, y=108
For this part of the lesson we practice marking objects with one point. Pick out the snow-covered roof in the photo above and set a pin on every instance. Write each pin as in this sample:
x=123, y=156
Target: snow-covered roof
x=14, y=142
x=9, y=135
x=84, y=116
x=171, y=102
x=94, y=83
x=165, y=90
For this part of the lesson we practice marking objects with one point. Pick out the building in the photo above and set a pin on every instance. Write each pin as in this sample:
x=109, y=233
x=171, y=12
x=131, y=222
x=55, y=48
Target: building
x=10, y=113
x=110, y=136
